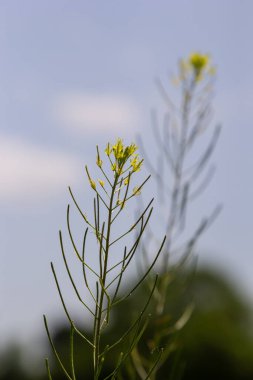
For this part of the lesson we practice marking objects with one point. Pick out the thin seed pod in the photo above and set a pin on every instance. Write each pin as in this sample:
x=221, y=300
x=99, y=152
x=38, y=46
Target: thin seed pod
x=136, y=242
x=84, y=264
x=101, y=250
x=145, y=275
x=72, y=352
x=139, y=188
x=78, y=208
x=203, y=185
x=124, y=199
x=141, y=313
x=74, y=246
x=119, y=276
x=129, y=256
x=48, y=370
x=71, y=278
x=135, y=245
x=134, y=225
x=154, y=366
x=98, y=213
x=66, y=310
x=54, y=350
x=206, y=155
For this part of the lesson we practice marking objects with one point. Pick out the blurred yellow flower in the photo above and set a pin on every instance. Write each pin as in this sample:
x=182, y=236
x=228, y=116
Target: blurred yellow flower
x=197, y=64
x=198, y=61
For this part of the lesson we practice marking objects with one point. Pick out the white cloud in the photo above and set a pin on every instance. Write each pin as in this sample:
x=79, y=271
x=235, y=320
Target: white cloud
x=89, y=113
x=29, y=172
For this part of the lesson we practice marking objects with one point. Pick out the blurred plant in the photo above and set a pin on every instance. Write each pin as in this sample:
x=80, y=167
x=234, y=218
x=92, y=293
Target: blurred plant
x=112, y=194
x=181, y=177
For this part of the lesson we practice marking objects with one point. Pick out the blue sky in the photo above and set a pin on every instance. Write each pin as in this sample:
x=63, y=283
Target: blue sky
x=74, y=74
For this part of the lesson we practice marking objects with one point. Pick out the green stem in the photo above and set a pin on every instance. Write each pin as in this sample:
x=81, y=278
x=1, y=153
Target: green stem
x=99, y=311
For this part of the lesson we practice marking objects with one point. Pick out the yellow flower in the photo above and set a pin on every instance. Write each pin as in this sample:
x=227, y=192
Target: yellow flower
x=136, y=163
x=108, y=150
x=93, y=184
x=101, y=182
x=99, y=162
x=118, y=149
x=199, y=61
x=196, y=64
x=129, y=150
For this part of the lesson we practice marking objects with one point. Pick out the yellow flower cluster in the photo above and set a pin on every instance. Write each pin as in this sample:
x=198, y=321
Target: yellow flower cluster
x=122, y=154
x=197, y=64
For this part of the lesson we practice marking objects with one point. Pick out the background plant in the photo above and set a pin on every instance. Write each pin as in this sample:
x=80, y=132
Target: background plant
x=112, y=195
x=182, y=174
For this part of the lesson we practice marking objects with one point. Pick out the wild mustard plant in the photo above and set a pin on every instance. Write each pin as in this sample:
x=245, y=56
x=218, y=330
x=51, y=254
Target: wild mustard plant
x=112, y=193
x=188, y=167
x=181, y=177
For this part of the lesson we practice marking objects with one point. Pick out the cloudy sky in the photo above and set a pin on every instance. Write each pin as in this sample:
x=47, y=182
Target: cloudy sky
x=77, y=74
